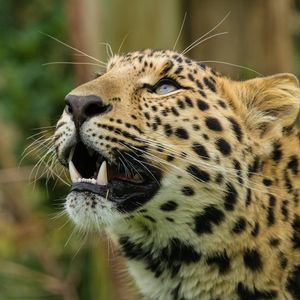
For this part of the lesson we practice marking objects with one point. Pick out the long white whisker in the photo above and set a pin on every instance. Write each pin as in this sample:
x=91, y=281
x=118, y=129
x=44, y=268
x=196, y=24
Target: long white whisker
x=180, y=31
x=140, y=163
x=71, y=63
x=128, y=162
x=202, y=41
x=38, y=143
x=43, y=133
x=35, y=146
x=109, y=50
x=125, y=162
x=194, y=159
x=43, y=127
x=230, y=64
x=73, y=48
x=122, y=43
x=207, y=33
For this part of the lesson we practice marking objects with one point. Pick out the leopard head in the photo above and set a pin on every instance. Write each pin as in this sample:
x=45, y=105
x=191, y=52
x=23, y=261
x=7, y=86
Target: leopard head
x=158, y=132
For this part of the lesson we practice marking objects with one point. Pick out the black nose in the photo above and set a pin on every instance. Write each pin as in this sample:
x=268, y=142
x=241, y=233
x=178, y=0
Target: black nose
x=82, y=108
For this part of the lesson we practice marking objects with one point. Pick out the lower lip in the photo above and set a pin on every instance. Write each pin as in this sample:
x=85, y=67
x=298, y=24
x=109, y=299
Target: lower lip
x=127, y=196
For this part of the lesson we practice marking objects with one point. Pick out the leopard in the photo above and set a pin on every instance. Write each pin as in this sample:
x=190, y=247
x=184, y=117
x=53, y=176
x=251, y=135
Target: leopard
x=193, y=175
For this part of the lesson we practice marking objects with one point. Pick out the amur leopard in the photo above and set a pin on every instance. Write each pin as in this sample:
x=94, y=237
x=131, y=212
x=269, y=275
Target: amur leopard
x=194, y=176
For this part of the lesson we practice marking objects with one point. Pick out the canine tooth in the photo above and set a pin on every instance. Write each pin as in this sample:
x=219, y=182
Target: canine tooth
x=71, y=154
x=74, y=174
x=102, y=175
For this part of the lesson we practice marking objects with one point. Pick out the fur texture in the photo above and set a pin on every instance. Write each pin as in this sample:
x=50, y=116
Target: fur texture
x=225, y=222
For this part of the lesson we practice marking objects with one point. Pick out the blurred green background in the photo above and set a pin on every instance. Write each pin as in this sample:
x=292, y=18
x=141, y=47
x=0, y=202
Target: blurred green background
x=41, y=256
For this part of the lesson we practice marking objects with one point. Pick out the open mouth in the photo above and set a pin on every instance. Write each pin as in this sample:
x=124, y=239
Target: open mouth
x=128, y=182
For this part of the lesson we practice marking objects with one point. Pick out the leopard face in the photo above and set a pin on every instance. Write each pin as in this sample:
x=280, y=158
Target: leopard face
x=182, y=165
x=136, y=126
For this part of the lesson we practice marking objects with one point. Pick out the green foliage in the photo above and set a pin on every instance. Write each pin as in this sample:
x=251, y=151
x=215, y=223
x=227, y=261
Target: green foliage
x=31, y=93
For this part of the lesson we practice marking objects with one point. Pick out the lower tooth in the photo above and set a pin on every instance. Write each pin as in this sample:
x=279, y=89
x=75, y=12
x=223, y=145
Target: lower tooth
x=87, y=180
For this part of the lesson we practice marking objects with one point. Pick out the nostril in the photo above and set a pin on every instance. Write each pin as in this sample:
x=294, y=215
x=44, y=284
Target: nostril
x=94, y=109
x=69, y=109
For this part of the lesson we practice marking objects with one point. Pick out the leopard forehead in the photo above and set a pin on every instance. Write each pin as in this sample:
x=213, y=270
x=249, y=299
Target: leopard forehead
x=151, y=58
x=151, y=64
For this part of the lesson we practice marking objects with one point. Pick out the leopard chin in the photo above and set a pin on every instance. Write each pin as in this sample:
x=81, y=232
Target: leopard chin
x=90, y=212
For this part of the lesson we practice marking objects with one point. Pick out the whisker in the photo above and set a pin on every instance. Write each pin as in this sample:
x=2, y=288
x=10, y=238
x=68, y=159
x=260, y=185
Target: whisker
x=43, y=132
x=109, y=50
x=128, y=162
x=124, y=163
x=34, y=146
x=195, y=159
x=36, y=169
x=71, y=63
x=141, y=163
x=73, y=48
x=70, y=236
x=202, y=41
x=180, y=31
x=207, y=33
x=182, y=171
x=122, y=43
x=43, y=127
x=85, y=237
x=230, y=64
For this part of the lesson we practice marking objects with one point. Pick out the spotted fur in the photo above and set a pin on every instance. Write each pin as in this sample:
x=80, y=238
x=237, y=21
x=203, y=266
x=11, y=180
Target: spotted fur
x=225, y=222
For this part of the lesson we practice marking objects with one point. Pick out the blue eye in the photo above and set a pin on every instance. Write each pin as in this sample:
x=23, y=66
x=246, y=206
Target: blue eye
x=165, y=86
x=165, y=89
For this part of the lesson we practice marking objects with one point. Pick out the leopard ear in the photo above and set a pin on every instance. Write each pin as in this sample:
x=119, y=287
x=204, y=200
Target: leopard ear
x=270, y=105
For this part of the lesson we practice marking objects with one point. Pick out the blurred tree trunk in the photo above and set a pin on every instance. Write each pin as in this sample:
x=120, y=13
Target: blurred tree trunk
x=103, y=266
x=77, y=39
x=259, y=33
x=134, y=25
